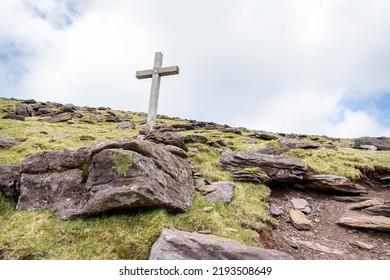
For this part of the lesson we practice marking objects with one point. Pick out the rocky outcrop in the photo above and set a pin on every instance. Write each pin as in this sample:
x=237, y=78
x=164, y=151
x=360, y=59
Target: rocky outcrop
x=8, y=143
x=261, y=168
x=380, y=143
x=109, y=176
x=290, y=143
x=380, y=209
x=256, y=167
x=180, y=245
x=377, y=223
x=166, y=138
x=334, y=184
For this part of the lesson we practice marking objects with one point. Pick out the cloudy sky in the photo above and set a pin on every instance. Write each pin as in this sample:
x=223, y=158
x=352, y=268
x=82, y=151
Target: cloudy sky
x=302, y=66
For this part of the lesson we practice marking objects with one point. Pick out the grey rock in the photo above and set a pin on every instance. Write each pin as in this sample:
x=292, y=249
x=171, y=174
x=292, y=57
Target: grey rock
x=125, y=125
x=264, y=135
x=299, y=203
x=111, y=118
x=180, y=245
x=63, y=117
x=379, y=209
x=195, y=139
x=270, y=150
x=251, y=141
x=122, y=174
x=166, y=138
x=299, y=220
x=57, y=191
x=9, y=178
x=270, y=168
x=275, y=210
x=306, y=210
x=317, y=247
x=193, y=150
x=13, y=116
x=45, y=111
x=351, y=198
x=223, y=191
x=289, y=144
x=334, y=184
x=365, y=204
x=376, y=223
x=381, y=143
x=24, y=110
x=8, y=143
x=361, y=245
x=68, y=108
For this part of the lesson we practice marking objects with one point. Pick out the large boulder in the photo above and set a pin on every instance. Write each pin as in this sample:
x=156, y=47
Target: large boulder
x=24, y=110
x=256, y=167
x=181, y=245
x=109, y=176
x=381, y=143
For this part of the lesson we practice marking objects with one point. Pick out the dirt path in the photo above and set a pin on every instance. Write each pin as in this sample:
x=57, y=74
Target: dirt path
x=326, y=240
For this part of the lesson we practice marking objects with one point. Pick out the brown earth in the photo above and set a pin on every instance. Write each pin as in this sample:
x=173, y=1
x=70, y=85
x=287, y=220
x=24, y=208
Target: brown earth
x=334, y=239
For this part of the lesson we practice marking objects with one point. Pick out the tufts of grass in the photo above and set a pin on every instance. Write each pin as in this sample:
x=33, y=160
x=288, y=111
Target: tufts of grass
x=343, y=162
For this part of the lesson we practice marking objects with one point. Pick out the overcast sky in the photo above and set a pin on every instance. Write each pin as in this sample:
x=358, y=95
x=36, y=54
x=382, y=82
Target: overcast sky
x=302, y=66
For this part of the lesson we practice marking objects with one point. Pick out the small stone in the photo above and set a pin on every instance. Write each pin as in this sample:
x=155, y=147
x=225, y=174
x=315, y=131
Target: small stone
x=361, y=245
x=125, y=125
x=72, y=122
x=299, y=203
x=193, y=150
x=208, y=208
x=206, y=189
x=275, y=210
x=87, y=138
x=251, y=141
x=306, y=210
x=299, y=220
x=317, y=220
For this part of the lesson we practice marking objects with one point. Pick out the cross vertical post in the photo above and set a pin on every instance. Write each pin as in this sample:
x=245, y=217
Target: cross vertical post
x=155, y=74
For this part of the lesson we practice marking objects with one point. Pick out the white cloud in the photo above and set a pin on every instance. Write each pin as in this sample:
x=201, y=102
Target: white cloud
x=276, y=65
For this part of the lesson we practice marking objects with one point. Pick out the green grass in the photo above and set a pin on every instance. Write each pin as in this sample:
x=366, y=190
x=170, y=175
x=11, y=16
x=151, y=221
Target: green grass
x=343, y=162
x=41, y=235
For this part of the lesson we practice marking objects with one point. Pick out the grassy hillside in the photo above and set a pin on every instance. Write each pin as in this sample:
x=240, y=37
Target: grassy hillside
x=41, y=235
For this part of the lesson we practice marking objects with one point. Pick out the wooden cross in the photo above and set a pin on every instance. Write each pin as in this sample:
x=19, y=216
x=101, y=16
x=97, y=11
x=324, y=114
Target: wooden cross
x=155, y=74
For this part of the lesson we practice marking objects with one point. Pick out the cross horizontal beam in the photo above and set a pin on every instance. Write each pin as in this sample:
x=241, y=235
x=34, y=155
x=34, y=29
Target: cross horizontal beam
x=163, y=71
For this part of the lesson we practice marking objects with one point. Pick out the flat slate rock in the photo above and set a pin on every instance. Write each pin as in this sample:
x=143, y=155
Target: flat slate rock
x=377, y=223
x=181, y=245
x=289, y=144
x=317, y=247
x=256, y=167
x=334, y=184
x=379, y=209
x=299, y=203
x=365, y=204
x=223, y=191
